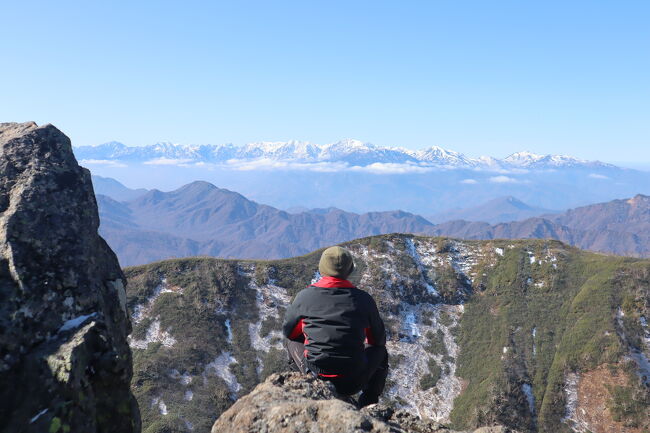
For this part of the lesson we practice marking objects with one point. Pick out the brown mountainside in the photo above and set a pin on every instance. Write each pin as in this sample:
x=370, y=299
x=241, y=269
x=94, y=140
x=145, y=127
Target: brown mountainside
x=201, y=219
x=619, y=227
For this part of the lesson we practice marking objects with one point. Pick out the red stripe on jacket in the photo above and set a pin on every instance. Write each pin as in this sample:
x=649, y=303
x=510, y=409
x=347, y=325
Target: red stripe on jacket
x=298, y=331
x=370, y=339
x=328, y=282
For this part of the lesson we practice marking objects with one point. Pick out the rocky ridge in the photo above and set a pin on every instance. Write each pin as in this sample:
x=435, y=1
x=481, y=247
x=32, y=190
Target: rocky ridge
x=65, y=365
x=296, y=403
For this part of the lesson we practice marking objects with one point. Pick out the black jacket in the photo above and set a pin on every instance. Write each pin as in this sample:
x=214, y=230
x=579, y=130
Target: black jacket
x=334, y=319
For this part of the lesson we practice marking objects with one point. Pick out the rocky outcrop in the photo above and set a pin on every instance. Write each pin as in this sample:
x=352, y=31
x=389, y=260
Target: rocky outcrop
x=65, y=365
x=296, y=403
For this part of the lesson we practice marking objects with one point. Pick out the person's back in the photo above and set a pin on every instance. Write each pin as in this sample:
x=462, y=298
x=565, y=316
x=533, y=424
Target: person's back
x=335, y=331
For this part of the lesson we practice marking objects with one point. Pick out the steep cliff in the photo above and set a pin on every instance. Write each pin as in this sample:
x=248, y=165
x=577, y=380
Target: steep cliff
x=65, y=365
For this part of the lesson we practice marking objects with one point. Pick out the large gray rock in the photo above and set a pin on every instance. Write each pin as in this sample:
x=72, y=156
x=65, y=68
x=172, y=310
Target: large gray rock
x=296, y=403
x=65, y=365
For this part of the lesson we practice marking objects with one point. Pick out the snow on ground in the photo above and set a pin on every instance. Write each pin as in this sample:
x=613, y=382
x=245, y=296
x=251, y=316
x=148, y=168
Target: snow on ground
x=412, y=250
x=154, y=335
x=228, y=331
x=530, y=398
x=499, y=251
x=188, y=424
x=643, y=365
x=221, y=367
x=572, y=416
x=76, y=322
x=184, y=379
x=463, y=259
x=534, y=332
x=162, y=407
x=435, y=403
x=141, y=311
x=640, y=357
x=269, y=299
x=409, y=359
x=409, y=325
x=38, y=415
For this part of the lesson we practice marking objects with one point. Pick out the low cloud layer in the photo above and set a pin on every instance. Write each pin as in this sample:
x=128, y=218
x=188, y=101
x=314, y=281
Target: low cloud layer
x=321, y=167
x=168, y=161
x=503, y=179
x=104, y=162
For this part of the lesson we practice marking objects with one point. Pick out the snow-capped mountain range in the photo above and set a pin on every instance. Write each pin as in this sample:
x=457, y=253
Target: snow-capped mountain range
x=348, y=151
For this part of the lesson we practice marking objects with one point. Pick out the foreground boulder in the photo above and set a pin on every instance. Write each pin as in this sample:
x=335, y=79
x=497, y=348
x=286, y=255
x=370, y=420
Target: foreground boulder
x=295, y=403
x=65, y=365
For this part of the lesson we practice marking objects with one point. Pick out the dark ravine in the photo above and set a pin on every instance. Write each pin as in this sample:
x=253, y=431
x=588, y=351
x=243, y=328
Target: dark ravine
x=65, y=365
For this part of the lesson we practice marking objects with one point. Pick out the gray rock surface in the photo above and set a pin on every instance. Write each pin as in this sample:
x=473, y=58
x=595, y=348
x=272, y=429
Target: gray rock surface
x=65, y=365
x=296, y=403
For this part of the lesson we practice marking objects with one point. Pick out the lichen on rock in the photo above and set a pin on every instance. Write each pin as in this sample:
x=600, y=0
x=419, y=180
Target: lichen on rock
x=65, y=365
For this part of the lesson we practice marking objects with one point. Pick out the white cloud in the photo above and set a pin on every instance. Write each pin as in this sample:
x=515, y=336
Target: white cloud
x=502, y=179
x=469, y=181
x=324, y=167
x=391, y=168
x=271, y=164
x=167, y=161
x=598, y=176
x=106, y=162
x=511, y=170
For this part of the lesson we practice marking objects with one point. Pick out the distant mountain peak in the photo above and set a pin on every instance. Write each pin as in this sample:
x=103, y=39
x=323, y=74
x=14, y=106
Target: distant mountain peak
x=497, y=210
x=639, y=199
x=199, y=184
x=349, y=150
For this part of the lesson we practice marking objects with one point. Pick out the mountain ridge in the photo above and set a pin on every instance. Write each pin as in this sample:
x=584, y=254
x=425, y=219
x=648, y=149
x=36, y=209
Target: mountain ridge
x=202, y=219
x=500, y=209
x=354, y=152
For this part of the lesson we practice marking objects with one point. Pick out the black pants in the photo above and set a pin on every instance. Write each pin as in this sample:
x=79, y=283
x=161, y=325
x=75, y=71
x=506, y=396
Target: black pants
x=369, y=378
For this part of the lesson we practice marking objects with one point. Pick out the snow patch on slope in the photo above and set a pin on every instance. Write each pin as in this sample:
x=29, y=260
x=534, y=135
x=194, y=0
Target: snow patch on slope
x=572, y=416
x=435, y=403
x=141, y=311
x=221, y=367
x=154, y=335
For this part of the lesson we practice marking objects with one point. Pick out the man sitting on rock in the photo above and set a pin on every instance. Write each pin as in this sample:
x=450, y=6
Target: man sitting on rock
x=334, y=331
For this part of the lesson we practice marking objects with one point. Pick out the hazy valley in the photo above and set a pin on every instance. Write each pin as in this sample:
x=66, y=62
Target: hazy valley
x=202, y=219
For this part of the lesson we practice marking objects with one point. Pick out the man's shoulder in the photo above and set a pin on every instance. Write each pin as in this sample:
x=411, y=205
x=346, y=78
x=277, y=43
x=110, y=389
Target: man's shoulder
x=362, y=294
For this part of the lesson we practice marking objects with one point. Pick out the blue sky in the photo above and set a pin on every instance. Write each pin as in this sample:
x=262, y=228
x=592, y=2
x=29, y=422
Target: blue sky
x=479, y=77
